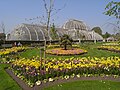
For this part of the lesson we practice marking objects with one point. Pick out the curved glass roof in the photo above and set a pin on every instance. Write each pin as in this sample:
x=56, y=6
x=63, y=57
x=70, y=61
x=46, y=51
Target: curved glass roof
x=74, y=24
x=29, y=32
x=76, y=29
x=95, y=36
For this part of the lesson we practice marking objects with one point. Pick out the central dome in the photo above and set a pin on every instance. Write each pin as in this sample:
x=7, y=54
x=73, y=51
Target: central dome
x=74, y=24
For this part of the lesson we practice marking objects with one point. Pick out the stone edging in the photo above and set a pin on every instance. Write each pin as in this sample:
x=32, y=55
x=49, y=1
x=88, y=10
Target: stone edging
x=23, y=85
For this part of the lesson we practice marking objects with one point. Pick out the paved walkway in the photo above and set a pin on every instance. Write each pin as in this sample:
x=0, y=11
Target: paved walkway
x=43, y=85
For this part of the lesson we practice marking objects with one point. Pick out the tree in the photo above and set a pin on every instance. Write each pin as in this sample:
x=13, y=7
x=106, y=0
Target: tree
x=97, y=30
x=106, y=35
x=113, y=9
x=49, y=8
x=65, y=41
x=2, y=26
x=53, y=33
x=3, y=36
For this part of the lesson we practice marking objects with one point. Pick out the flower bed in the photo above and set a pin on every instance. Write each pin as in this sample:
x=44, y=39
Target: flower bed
x=111, y=44
x=60, y=51
x=7, y=55
x=58, y=46
x=110, y=48
x=32, y=72
x=11, y=50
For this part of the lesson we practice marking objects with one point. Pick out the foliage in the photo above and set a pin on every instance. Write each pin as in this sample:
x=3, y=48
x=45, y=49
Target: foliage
x=113, y=9
x=106, y=35
x=90, y=47
x=111, y=44
x=53, y=46
x=53, y=33
x=97, y=30
x=12, y=50
x=110, y=48
x=29, y=69
x=7, y=55
x=58, y=46
x=59, y=51
x=2, y=36
x=65, y=41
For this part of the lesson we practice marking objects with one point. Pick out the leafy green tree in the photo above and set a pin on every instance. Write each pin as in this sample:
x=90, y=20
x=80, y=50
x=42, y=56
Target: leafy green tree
x=106, y=35
x=53, y=33
x=97, y=30
x=113, y=9
x=66, y=41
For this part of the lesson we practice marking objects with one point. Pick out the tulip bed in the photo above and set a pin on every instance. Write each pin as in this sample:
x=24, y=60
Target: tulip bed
x=32, y=71
x=7, y=54
x=110, y=48
x=58, y=46
x=111, y=44
x=60, y=51
x=11, y=50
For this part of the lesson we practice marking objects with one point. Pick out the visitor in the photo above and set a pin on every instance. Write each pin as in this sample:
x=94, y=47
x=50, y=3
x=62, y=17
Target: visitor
x=14, y=45
x=19, y=44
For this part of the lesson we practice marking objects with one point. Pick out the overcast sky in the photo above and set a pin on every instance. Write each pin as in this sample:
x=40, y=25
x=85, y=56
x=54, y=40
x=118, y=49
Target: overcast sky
x=14, y=12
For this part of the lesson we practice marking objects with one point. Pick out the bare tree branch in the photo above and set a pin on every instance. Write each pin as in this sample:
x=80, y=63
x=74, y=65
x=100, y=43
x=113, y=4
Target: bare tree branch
x=59, y=10
x=45, y=5
x=49, y=8
x=2, y=26
x=41, y=21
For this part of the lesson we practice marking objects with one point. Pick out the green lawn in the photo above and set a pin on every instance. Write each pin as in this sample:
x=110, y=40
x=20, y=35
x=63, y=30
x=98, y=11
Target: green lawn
x=86, y=85
x=6, y=82
x=94, y=52
x=91, y=48
x=30, y=53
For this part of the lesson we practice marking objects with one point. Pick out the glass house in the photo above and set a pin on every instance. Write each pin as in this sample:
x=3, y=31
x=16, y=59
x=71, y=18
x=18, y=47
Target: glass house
x=77, y=30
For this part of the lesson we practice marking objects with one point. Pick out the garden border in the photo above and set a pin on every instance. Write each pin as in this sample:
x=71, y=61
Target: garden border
x=23, y=85
x=116, y=51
